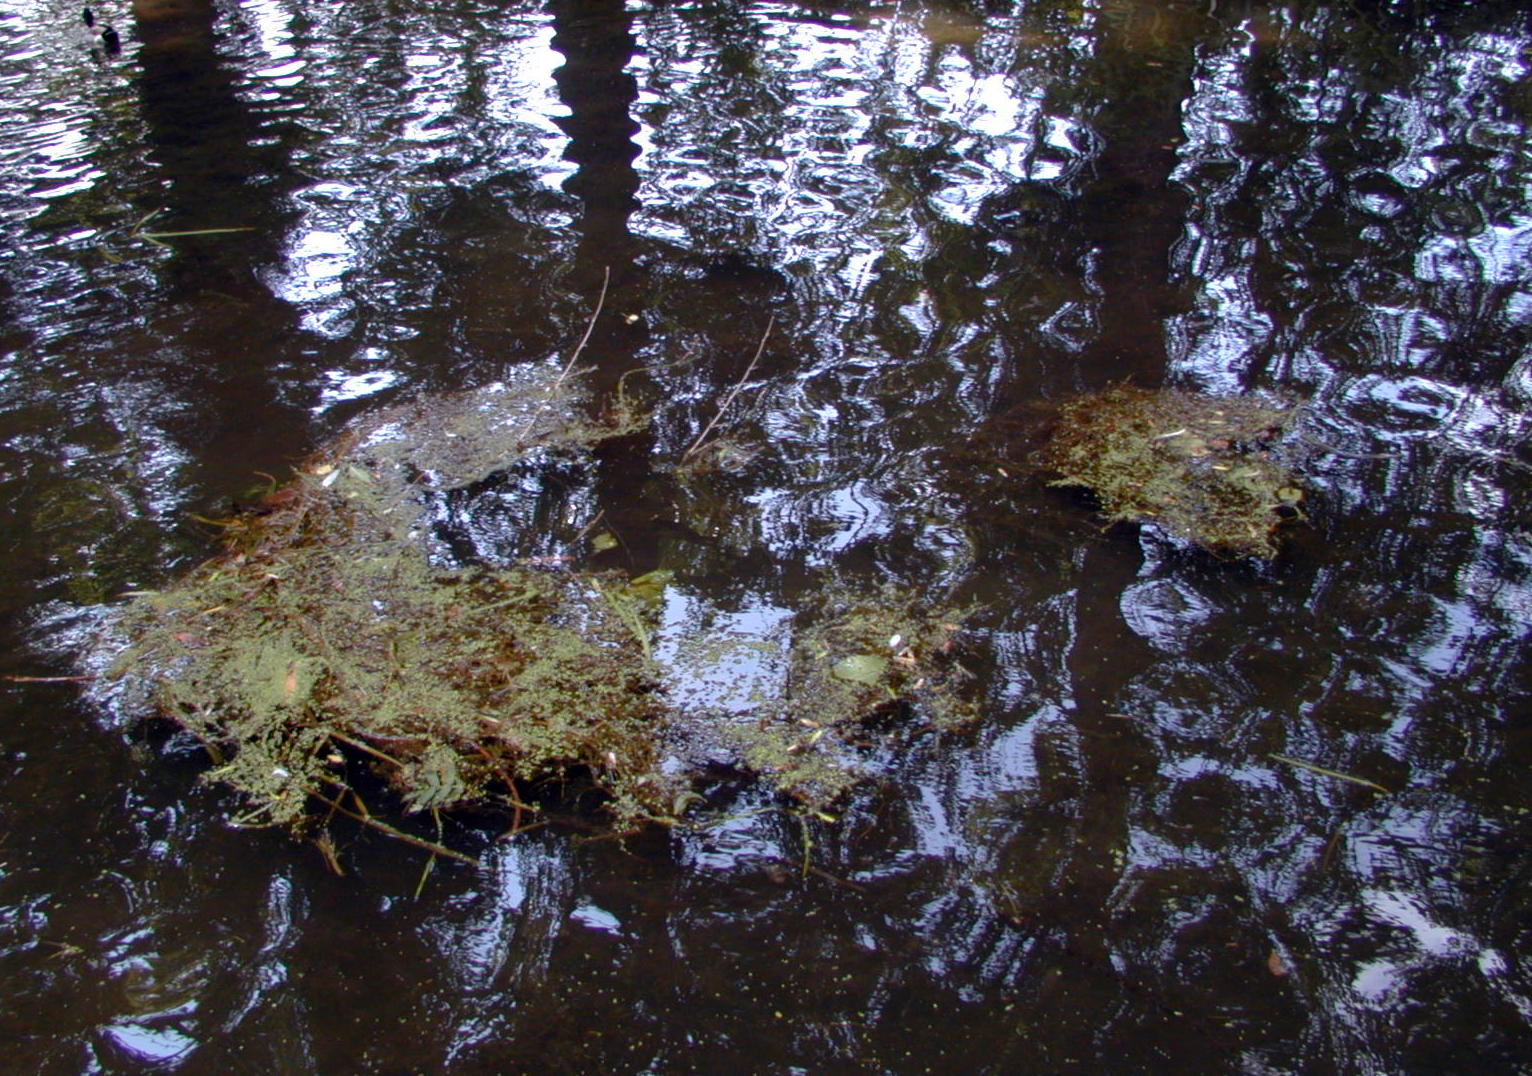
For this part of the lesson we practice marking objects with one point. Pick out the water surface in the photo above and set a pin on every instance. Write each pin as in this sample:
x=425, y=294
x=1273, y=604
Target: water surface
x=953, y=217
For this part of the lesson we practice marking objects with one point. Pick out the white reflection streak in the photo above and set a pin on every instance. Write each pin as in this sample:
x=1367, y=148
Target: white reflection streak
x=1214, y=344
x=272, y=27
x=504, y=943
x=284, y=67
x=856, y=92
x=1380, y=984
x=270, y=971
x=1499, y=254
x=344, y=224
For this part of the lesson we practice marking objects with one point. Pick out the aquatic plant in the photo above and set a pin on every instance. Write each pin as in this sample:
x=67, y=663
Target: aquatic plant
x=863, y=665
x=326, y=653
x=325, y=634
x=1199, y=467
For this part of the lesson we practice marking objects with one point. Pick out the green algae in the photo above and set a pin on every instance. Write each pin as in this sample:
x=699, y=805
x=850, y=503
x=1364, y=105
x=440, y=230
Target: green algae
x=1199, y=467
x=325, y=652
x=863, y=667
x=325, y=634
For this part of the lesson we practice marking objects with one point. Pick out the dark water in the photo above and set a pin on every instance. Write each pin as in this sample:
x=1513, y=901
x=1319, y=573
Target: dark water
x=955, y=217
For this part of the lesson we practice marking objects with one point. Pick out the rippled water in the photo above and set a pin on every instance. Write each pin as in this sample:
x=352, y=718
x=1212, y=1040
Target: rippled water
x=953, y=218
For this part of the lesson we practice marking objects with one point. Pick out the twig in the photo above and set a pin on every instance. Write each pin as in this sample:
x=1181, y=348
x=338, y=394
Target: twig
x=735, y=391
x=1302, y=765
x=1333, y=451
x=590, y=326
x=606, y=279
x=588, y=527
x=138, y=232
x=820, y=872
x=48, y=679
x=425, y=871
x=326, y=848
x=192, y=231
x=362, y=745
x=64, y=949
x=397, y=834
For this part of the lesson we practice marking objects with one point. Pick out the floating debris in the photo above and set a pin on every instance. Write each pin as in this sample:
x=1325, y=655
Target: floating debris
x=328, y=651
x=1336, y=774
x=861, y=666
x=1199, y=467
x=325, y=634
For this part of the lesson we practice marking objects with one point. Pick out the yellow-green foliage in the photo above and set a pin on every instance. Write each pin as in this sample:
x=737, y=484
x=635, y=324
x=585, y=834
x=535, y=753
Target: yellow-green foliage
x=325, y=634
x=859, y=657
x=290, y=656
x=1197, y=466
x=324, y=637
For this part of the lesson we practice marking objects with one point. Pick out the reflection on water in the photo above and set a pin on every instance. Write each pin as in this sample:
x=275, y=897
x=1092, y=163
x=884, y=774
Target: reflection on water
x=956, y=219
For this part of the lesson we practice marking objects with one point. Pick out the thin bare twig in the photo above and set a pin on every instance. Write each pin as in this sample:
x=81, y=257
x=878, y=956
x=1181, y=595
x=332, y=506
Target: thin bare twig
x=588, y=527
x=397, y=834
x=734, y=392
x=606, y=279
x=362, y=745
x=590, y=326
x=425, y=872
x=1302, y=765
x=47, y=679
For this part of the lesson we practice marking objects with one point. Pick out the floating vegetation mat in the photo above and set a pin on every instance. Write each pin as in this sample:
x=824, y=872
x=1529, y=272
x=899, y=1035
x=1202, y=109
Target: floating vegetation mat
x=325, y=634
x=861, y=667
x=326, y=642
x=1199, y=467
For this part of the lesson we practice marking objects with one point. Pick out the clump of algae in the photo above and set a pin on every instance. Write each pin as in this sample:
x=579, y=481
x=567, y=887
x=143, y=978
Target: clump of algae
x=1196, y=466
x=325, y=634
x=863, y=662
x=326, y=637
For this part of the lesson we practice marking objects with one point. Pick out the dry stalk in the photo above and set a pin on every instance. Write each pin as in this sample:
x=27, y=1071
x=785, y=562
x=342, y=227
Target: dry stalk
x=48, y=679
x=590, y=326
x=733, y=393
x=397, y=834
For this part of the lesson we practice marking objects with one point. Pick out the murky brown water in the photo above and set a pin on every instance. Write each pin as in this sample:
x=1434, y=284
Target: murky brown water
x=956, y=218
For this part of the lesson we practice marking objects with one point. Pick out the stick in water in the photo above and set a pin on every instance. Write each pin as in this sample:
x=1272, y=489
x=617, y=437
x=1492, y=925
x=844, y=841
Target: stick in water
x=1302, y=765
x=735, y=391
x=606, y=278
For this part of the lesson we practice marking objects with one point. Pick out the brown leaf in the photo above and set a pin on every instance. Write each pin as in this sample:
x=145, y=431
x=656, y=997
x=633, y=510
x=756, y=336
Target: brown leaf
x=1276, y=965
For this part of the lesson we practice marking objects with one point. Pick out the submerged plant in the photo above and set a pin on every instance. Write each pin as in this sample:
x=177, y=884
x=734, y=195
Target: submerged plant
x=860, y=663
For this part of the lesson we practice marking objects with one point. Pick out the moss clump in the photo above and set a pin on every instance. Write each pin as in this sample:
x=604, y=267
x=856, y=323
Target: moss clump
x=861, y=663
x=289, y=660
x=326, y=639
x=325, y=635
x=1196, y=466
